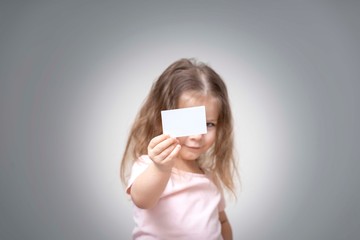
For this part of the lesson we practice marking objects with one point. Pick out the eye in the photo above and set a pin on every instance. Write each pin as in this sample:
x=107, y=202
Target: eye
x=210, y=124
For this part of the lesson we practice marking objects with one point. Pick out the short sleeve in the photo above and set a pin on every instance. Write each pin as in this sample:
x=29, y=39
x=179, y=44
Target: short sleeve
x=138, y=167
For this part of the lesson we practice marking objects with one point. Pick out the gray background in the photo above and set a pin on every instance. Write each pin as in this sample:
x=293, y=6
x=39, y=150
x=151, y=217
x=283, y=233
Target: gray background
x=74, y=73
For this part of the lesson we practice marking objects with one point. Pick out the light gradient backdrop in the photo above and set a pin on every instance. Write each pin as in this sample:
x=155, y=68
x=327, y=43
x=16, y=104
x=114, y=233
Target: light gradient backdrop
x=74, y=73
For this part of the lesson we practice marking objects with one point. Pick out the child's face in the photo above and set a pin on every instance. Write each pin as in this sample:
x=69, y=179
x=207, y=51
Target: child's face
x=193, y=146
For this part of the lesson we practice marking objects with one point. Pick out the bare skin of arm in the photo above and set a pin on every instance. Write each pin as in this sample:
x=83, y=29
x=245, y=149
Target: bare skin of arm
x=148, y=186
x=226, y=231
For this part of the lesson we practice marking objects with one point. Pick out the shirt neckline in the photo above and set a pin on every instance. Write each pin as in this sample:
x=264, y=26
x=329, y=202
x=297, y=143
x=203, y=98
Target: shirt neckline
x=182, y=172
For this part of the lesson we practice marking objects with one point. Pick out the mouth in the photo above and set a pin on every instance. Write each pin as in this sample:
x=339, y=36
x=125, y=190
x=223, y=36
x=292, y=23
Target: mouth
x=193, y=147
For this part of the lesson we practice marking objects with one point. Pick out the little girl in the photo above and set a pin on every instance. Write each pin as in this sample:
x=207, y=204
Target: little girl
x=176, y=184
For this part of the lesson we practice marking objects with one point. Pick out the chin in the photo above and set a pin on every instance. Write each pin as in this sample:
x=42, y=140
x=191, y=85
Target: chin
x=189, y=156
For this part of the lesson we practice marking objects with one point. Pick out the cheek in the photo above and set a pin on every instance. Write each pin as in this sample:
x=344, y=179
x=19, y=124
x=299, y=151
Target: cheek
x=210, y=139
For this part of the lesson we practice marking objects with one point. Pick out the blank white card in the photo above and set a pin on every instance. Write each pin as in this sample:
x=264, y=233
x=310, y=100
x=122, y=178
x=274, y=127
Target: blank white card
x=184, y=121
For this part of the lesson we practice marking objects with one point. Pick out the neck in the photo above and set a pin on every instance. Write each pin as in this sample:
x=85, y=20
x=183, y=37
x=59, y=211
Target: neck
x=188, y=166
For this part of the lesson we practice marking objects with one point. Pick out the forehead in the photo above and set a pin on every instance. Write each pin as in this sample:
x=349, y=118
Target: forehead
x=194, y=99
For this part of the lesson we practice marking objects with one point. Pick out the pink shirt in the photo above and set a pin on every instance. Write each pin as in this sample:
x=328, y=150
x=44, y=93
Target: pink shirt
x=187, y=209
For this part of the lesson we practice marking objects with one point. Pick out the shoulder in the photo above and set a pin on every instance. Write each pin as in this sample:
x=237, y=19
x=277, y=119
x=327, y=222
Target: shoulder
x=140, y=164
x=137, y=168
x=212, y=177
x=143, y=159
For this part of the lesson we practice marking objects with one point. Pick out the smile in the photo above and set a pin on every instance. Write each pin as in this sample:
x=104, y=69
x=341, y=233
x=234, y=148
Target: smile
x=195, y=148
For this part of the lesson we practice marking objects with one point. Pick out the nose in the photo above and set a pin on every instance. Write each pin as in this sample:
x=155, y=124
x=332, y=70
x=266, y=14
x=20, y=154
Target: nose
x=196, y=137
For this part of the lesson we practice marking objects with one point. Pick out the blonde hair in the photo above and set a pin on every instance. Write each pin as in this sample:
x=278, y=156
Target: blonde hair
x=182, y=76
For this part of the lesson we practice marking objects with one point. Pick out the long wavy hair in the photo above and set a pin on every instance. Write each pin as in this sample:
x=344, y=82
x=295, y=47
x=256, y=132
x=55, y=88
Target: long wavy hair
x=182, y=76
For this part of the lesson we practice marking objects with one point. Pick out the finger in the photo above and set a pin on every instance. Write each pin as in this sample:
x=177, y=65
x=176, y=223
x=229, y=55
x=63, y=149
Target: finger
x=160, y=147
x=173, y=153
x=166, y=152
x=156, y=140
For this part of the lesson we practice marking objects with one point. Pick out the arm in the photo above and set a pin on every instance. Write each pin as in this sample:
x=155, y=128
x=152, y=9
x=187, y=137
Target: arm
x=149, y=185
x=226, y=231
